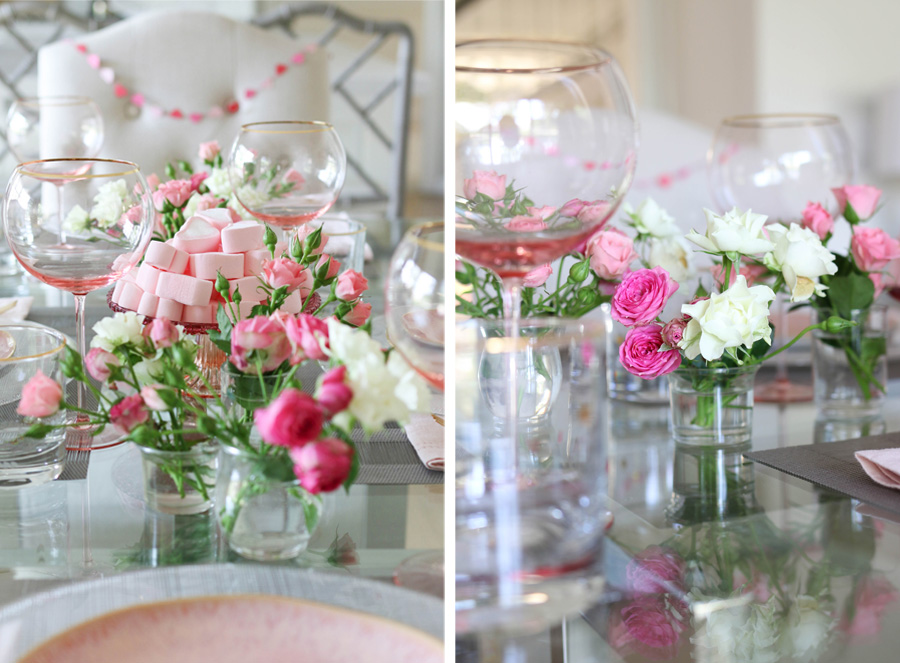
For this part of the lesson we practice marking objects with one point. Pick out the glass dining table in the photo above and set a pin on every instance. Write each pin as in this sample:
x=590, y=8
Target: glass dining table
x=712, y=557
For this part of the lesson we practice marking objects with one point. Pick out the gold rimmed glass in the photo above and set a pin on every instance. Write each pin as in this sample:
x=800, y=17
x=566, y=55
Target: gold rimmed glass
x=54, y=126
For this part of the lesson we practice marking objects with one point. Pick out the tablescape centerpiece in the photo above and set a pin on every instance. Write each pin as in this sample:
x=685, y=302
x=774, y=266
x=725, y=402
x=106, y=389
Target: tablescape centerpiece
x=712, y=351
x=850, y=365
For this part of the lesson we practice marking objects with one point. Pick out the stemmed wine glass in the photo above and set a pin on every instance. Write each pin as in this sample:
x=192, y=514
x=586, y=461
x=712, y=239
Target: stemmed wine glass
x=107, y=219
x=776, y=164
x=287, y=173
x=554, y=121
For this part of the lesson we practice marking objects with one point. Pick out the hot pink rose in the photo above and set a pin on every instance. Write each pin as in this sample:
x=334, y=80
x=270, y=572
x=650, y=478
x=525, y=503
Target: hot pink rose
x=334, y=395
x=209, y=151
x=291, y=420
x=162, y=332
x=98, y=363
x=129, y=413
x=593, y=213
x=640, y=353
x=294, y=178
x=673, y=330
x=863, y=199
x=611, y=252
x=322, y=466
x=152, y=399
x=538, y=276
x=490, y=184
x=308, y=336
x=642, y=295
x=284, y=271
x=153, y=181
x=261, y=338
x=350, y=285
x=544, y=212
x=358, y=314
x=656, y=570
x=527, y=224
x=572, y=208
x=197, y=179
x=41, y=396
x=176, y=192
x=872, y=597
x=305, y=231
x=333, y=266
x=817, y=219
x=873, y=248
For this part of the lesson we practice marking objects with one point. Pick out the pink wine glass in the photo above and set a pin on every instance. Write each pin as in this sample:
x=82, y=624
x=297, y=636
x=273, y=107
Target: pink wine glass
x=287, y=173
x=107, y=219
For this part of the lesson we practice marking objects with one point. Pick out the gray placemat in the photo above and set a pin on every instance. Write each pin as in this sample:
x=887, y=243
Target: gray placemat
x=833, y=466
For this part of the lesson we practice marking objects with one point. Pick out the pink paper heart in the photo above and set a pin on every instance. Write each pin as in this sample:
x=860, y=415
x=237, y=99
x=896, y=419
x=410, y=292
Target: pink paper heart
x=107, y=75
x=215, y=111
x=81, y=48
x=298, y=58
x=196, y=117
x=93, y=60
x=120, y=90
x=249, y=94
x=137, y=99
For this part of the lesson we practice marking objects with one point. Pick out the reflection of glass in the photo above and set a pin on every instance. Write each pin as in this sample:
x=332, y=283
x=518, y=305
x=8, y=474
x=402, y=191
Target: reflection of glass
x=775, y=165
x=531, y=503
x=414, y=301
x=287, y=173
x=98, y=237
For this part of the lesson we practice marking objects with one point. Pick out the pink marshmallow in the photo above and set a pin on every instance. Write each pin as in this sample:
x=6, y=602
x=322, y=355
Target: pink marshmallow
x=169, y=309
x=201, y=315
x=117, y=290
x=243, y=236
x=293, y=304
x=130, y=297
x=253, y=261
x=179, y=260
x=248, y=286
x=148, y=277
x=219, y=217
x=148, y=304
x=208, y=265
x=196, y=236
x=159, y=254
x=243, y=310
x=187, y=290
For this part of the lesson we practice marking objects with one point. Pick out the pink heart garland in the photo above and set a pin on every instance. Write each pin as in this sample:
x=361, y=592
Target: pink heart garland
x=250, y=93
x=81, y=48
x=196, y=117
x=120, y=90
x=137, y=99
x=107, y=75
x=266, y=83
x=94, y=61
x=298, y=58
x=177, y=114
x=215, y=111
x=280, y=69
x=156, y=111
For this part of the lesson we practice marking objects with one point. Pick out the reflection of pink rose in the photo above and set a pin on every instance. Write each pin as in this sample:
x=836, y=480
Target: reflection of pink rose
x=572, y=208
x=295, y=179
x=873, y=248
x=642, y=295
x=322, y=466
x=129, y=413
x=650, y=622
x=350, y=285
x=209, y=151
x=527, y=224
x=611, y=253
x=817, y=219
x=538, y=276
x=872, y=597
x=488, y=183
x=863, y=199
x=41, y=396
x=292, y=420
x=594, y=213
x=640, y=353
x=544, y=212
x=655, y=570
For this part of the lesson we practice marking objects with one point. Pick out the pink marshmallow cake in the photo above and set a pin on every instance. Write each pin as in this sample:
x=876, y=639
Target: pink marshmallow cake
x=239, y=629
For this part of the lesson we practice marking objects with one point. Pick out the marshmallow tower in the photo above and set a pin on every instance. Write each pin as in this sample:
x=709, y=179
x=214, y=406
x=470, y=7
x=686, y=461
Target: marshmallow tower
x=177, y=278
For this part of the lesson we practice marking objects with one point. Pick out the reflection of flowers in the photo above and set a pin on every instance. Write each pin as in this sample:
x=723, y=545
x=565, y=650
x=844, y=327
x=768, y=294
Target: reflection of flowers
x=872, y=595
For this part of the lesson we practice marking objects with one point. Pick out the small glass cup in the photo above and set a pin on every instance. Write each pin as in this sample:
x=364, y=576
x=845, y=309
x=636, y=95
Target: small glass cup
x=26, y=350
x=346, y=241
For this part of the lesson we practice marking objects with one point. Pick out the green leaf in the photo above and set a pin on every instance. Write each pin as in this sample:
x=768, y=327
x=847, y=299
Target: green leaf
x=853, y=291
x=39, y=430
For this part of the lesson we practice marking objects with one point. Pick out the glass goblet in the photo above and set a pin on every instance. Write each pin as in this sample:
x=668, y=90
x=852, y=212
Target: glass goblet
x=287, y=173
x=65, y=126
x=108, y=222
x=776, y=164
x=550, y=126
x=414, y=301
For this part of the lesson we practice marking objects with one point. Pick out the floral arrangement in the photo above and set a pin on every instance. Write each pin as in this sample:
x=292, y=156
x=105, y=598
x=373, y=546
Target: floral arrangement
x=113, y=207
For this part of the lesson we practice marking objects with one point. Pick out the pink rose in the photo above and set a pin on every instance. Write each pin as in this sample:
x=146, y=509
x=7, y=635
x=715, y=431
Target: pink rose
x=538, y=276
x=871, y=598
x=490, y=184
x=611, y=252
x=862, y=199
x=752, y=273
x=350, y=285
x=873, y=248
x=572, y=208
x=673, y=330
x=41, y=396
x=640, y=353
x=878, y=280
x=333, y=266
x=322, y=465
x=308, y=336
x=259, y=338
x=99, y=362
x=333, y=394
x=207, y=201
x=594, y=213
x=162, y=332
x=284, y=271
x=651, y=623
x=291, y=420
x=153, y=181
x=209, y=151
x=295, y=179
x=129, y=413
x=544, y=212
x=817, y=219
x=159, y=199
x=197, y=179
x=176, y=192
x=305, y=231
x=152, y=399
x=358, y=314
x=642, y=295
x=656, y=570
x=527, y=224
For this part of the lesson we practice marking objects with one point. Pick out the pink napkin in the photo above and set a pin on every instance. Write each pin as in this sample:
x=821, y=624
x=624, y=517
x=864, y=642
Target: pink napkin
x=426, y=433
x=882, y=465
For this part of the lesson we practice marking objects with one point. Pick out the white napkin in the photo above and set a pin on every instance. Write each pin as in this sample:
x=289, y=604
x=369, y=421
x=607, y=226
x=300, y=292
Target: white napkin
x=426, y=433
x=14, y=309
x=882, y=465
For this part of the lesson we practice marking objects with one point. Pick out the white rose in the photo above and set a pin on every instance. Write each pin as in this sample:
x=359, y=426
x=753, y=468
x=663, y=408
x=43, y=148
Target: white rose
x=801, y=258
x=808, y=630
x=651, y=219
x=672, y=254
x=117, y=330
x=109, y=203
x=77, y=220
x=148, y=371
x=250, y=198
x=190, y=208
x=218, y=183
x=734, y=234
x=410, y=389
x=737, y=629
x=738, y=317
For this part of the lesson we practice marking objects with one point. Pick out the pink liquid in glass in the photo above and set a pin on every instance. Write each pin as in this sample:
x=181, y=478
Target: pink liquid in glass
x=516, y=255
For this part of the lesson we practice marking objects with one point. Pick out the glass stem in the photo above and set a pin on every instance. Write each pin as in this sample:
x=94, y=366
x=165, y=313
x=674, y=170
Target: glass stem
x=82, y=350
x=512, y=313
x=781, y=337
